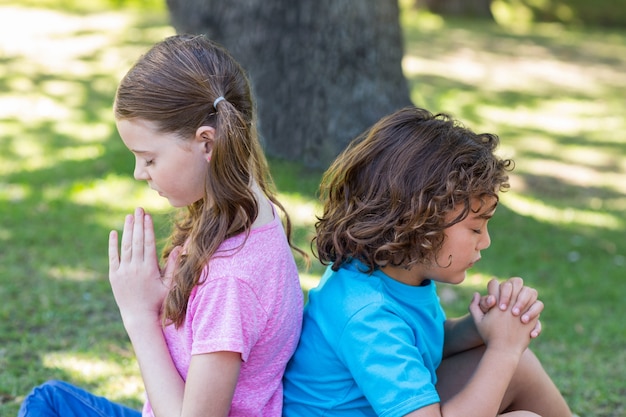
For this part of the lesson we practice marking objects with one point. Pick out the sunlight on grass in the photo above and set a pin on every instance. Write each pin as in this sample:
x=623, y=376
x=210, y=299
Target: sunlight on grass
x=47, y=41
x=82, y=366
x=301, y=210
x=560, y=115
x=536, y=209
x=114, y=379
x=118, y=193
x=309, y=281
x=486, y=68
x=514, y=15
x=13, y=192
x=72, y=274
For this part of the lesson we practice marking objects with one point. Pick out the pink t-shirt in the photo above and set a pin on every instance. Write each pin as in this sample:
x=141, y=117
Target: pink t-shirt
x=250, y=301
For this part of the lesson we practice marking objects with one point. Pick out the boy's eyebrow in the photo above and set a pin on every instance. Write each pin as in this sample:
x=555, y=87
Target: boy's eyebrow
x=486, y=215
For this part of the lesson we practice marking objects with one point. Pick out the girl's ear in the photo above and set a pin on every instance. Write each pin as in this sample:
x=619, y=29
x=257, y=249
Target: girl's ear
x=205, y=136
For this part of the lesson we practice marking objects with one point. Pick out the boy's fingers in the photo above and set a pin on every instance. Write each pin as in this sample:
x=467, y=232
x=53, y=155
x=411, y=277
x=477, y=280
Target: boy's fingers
x=506, y=291
x=487, y=302
x=537, y=330
x=526, y=297
x=533, y=312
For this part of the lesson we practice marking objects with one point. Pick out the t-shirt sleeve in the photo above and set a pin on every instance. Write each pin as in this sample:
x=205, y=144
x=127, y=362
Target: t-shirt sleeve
x=226, y=316
x=381, y=351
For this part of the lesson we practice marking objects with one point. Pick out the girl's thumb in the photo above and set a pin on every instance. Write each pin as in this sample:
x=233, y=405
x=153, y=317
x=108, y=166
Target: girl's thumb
x=170, y=265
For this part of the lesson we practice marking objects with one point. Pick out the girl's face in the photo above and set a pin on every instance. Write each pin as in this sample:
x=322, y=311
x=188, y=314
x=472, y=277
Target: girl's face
x=463, y=243
x=173, y=167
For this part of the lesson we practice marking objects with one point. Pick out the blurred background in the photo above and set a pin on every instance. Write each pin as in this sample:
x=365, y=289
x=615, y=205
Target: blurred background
x=547, y=76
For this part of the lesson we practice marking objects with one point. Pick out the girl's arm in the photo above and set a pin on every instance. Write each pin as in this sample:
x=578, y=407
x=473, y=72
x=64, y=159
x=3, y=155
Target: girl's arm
x=139, y=288
x=211, y=378
x=211, y=384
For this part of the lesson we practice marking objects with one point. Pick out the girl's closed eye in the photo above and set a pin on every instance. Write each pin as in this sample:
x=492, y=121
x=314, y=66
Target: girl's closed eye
x=149, y=162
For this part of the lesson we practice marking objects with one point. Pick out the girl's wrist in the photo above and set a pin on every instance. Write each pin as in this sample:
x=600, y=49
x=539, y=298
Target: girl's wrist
x=140, y=322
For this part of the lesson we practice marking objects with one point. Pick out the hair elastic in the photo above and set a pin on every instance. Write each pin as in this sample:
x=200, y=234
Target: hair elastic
x=217, y=100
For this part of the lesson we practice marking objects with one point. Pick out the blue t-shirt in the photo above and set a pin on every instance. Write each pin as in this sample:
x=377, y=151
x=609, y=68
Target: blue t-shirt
x=370, y=346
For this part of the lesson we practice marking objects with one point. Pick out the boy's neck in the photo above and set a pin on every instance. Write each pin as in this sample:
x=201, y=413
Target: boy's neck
x=405, y=276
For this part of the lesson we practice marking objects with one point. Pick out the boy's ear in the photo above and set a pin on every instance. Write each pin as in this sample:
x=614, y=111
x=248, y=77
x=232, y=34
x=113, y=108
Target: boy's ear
x=205, y=136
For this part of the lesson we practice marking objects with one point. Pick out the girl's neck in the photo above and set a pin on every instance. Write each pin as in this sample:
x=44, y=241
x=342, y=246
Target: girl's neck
x=266, y=212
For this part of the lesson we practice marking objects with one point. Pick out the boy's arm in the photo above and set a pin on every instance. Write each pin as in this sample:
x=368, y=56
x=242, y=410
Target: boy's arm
x=460, y=334
x=506, y=339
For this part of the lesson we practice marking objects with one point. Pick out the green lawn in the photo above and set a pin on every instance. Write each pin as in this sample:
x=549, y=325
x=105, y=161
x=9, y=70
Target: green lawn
x=555, y=96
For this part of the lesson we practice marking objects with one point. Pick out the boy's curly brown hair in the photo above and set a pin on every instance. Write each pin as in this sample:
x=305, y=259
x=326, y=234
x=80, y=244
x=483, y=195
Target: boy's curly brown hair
x=386, y=196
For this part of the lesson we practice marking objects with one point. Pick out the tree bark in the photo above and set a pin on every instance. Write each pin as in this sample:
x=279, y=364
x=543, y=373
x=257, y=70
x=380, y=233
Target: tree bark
x=322, y=71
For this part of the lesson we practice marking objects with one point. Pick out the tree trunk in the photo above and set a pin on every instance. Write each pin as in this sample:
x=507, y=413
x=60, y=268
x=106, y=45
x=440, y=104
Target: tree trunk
x=322, y=71
x=469, y=8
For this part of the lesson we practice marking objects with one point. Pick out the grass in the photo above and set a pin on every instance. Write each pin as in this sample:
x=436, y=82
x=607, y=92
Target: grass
x=554, y=95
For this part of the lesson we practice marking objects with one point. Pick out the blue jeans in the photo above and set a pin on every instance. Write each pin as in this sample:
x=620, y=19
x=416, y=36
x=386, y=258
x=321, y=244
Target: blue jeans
x=60, y=399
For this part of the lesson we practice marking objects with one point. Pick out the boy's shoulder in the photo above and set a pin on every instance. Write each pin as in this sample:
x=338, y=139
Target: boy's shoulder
x=350, y=291
x=344, y=293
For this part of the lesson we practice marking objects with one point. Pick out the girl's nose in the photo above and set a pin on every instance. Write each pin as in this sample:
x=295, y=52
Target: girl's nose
x=140, y=173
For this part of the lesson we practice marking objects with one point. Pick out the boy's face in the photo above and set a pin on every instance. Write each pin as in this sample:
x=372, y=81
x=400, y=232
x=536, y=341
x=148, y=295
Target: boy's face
x=463, y=243
x=461, y=248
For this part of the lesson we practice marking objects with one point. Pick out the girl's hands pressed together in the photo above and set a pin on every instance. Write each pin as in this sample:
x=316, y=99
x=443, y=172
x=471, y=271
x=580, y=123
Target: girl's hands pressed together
x=139, y=286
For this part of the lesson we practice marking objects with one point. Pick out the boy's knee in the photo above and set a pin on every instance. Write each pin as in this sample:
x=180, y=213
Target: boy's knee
x=529, y=362
x=520, y=414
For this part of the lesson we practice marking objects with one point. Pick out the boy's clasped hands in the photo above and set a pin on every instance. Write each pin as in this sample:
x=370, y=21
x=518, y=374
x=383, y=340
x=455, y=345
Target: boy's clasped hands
x=508, y=314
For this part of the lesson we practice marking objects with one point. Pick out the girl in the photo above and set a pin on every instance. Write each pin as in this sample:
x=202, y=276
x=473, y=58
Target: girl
x=407, y=205
x=214, y=329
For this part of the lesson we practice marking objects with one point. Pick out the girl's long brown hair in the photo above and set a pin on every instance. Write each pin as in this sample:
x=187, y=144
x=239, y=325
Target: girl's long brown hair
x=387, y=194
x=175, y=85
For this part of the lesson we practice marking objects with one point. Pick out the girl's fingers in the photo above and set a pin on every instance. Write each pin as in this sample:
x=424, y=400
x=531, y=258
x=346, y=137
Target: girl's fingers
x=114, y=257
x=127, y=239
x=149, y=243
x=170, y=265
x=138, y=235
